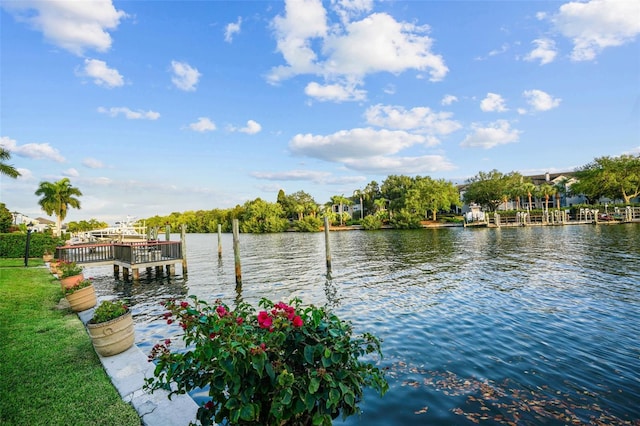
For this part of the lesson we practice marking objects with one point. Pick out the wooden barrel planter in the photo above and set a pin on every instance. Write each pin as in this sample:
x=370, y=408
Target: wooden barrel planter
x=82, y=299
x=69, y=282
x=47, y=257
x=112, y=337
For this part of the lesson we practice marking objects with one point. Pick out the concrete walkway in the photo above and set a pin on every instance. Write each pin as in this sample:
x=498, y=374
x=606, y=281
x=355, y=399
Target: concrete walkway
x=127, y=371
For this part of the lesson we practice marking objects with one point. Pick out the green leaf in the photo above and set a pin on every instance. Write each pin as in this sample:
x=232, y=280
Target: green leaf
x=308, y=354
x=287, y=394
x=257, y=361
x=248, y=412
x=314, y=385
x=269, y=369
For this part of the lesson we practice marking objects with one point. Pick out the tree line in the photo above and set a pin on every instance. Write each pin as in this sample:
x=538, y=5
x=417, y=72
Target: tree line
x=399, y=202
x=612, y=178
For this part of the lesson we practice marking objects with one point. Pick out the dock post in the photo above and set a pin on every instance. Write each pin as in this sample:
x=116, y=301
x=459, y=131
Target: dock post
x=183, y=240
x=116, y=271
x=326, y=243
x=236, y=251
x=219, y=241
x=167, y=232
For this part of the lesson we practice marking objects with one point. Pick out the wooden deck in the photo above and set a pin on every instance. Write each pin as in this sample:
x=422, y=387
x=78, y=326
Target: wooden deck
x=131, y=257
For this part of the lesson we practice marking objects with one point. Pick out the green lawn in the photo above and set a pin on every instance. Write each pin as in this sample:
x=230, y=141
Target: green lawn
x=49, y=371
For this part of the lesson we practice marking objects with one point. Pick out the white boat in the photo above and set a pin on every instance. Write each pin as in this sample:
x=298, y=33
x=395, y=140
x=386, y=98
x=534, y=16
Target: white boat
x=125, y=231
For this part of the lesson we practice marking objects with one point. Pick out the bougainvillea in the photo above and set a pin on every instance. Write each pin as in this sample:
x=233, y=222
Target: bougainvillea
x=285, y=365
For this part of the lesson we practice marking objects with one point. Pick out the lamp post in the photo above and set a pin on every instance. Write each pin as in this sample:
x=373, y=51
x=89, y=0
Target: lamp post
x=26, y=249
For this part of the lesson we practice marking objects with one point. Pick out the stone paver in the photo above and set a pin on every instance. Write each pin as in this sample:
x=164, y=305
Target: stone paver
x=127, y=371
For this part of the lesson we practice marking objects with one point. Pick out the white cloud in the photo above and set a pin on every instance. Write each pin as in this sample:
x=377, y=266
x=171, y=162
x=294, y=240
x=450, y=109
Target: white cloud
x=597, y=24
x=294, y=175
x=541, y=101
x=379, y=43
x=401, y=165
x=303, y=21
x=348, y=9
x=448, y=100
x=102, y=75
x=129, y=114
x=185, y=77
x=497, y=133
x=36, y=151
x=334, y=92
x=348, y=51
x=72, y=172
x=355, y=143
x=493, y=103
x=93, y=163
x=418, y=119
x=545, y=51
x=231, y=29
x=203, y=124
x=72, y=25
x=251, y=128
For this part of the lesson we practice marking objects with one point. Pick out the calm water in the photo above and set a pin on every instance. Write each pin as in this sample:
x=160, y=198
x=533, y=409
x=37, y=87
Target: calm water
x=528, y=325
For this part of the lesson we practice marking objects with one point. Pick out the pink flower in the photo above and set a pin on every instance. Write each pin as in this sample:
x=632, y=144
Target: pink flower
x=221, y=310
x=184, y=305
x=297, y=321
x=239, y=320
x=264, y=320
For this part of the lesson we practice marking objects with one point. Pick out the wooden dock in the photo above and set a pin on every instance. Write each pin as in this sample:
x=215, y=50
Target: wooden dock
x=131, y=257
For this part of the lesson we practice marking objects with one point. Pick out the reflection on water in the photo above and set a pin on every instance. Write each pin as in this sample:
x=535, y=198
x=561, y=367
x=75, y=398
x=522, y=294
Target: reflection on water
x=526, y=326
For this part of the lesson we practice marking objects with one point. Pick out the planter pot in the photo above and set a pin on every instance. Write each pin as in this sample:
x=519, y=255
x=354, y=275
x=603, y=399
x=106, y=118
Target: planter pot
x=112, y=337
x=53, y=267
x=69, y=282
x=47, y=257
x=82, y=299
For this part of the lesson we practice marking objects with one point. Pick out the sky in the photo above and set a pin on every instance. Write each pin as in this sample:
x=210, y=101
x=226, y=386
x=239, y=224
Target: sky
x=154, y=107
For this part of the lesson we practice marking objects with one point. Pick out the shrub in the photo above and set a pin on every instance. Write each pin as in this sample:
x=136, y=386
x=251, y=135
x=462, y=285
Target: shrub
x=285, y=365
x=371, y=222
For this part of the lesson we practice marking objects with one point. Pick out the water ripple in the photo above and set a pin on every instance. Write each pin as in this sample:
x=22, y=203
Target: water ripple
x=528, y=326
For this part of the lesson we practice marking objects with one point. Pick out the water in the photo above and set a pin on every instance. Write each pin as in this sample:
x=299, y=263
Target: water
x=514, y=325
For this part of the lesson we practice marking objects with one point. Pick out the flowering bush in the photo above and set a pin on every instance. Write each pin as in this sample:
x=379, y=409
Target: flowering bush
x=286, y=365
x=78, y=286
x=108, y=310
x=69, y=269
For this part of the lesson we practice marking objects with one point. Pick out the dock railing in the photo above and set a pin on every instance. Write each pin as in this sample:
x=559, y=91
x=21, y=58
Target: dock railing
x=132, y=253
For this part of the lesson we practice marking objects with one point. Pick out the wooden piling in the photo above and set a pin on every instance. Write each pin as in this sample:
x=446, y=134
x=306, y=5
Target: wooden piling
x=236, y=251
x=183, y=241
x=219, y=241
x=326, y=243
x=167, y=233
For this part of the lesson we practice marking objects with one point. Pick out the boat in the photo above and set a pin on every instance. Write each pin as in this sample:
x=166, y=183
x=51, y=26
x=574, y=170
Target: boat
x=123, y=231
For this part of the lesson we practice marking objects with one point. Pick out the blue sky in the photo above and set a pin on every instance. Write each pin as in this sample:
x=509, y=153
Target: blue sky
x=153, y=107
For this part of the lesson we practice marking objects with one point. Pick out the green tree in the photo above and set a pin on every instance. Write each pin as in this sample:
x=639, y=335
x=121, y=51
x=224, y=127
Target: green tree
x=7, y=169
x=545, y=190
x=561, y=190
x=6, y=219
x=528, y=189
x=341, y=201
x=611, y=177
x=428, y=195
x=359, y=194
x=395, y=189
x=487, y=189
x=261, y=216
x=56, y=199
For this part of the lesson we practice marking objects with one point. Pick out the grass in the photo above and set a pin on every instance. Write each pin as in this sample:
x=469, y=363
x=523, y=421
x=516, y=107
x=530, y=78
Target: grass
x=49, y=371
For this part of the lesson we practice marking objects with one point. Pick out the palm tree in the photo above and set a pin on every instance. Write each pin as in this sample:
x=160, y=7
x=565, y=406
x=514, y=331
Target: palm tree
x=561, y=190
x=360, y=194
x=546, y=191
x=528, y=188
x=56, y=199
x=5, y=168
